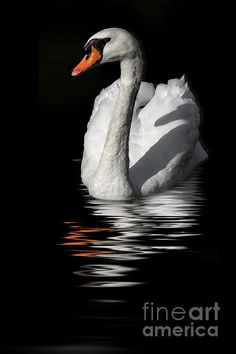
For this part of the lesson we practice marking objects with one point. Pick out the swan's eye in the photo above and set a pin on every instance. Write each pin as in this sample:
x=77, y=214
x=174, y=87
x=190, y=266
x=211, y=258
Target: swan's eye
x=100, y=43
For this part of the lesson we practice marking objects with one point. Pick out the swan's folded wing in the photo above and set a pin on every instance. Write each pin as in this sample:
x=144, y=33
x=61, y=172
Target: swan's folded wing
x=172, y=105
x=164, y=135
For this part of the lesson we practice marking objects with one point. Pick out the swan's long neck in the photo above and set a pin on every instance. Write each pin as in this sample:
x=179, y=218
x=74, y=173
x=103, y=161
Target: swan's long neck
x=112, y=176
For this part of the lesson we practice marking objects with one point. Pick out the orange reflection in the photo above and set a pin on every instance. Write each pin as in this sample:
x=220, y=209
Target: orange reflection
x=90, y=253
x=77, y=236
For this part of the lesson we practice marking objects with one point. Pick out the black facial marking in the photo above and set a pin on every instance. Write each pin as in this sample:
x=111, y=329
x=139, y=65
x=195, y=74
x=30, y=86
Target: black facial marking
x=99, y=44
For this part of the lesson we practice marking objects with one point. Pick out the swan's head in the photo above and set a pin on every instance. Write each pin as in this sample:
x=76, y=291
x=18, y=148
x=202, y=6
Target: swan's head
x=111, y=44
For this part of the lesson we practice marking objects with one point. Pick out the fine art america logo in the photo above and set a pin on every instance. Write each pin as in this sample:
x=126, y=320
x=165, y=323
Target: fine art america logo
x=195, y=321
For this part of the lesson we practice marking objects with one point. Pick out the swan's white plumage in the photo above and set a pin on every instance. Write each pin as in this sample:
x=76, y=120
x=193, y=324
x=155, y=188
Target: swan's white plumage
x=163, y=143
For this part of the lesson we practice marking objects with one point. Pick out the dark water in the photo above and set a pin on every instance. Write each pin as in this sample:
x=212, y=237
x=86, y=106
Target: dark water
x=109, y=258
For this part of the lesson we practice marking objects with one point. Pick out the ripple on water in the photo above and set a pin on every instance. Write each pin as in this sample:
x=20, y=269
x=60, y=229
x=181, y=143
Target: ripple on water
x=131, y=231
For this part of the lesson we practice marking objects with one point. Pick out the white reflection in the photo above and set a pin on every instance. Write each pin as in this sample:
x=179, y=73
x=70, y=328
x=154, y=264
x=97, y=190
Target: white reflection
x=135, y=230
x=98, y=270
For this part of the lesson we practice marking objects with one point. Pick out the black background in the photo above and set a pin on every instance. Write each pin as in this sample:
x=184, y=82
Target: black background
x=50, y=119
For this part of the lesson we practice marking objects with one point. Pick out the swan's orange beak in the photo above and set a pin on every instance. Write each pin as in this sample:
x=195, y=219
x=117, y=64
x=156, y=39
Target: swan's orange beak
x=87, y=62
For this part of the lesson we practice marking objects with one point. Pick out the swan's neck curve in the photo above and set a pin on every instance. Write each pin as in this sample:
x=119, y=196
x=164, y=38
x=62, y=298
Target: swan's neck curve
x=112, y=176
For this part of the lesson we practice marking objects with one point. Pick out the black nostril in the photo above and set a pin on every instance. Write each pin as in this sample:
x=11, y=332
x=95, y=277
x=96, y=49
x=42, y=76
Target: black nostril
x=88, y=52
x=87, y=56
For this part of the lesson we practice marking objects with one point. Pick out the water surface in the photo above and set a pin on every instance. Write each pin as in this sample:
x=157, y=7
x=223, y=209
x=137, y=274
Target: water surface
x=132, y=231
x=106, y=259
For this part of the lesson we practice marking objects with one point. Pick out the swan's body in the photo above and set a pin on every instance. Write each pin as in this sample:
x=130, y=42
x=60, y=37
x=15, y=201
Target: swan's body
x=139, y=139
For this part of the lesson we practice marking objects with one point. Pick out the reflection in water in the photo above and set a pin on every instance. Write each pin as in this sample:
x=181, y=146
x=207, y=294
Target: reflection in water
x=133, y=230
x=79, y=238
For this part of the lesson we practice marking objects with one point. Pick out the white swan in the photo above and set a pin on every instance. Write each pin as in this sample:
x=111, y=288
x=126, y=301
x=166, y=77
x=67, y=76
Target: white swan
x=139, y=139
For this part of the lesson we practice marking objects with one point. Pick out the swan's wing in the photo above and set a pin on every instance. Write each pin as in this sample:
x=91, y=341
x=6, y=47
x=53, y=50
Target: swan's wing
x=164, y=136
x=95, y=136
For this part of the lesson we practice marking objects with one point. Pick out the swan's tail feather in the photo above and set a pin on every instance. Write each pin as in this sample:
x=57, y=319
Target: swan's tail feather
x=183, y=78
x=177, y=87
